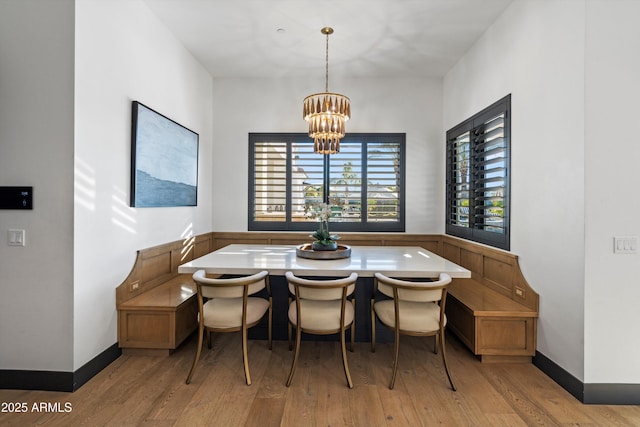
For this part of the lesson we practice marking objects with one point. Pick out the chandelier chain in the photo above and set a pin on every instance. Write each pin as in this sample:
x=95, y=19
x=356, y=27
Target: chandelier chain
x=326, y=65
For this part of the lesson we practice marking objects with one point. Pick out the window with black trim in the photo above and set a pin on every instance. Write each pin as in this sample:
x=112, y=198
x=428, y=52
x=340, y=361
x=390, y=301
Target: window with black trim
x=478, y=175
x=363, y=184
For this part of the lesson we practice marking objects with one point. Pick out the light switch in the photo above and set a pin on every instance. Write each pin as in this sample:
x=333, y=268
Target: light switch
x=17, y=238
x=625, y=244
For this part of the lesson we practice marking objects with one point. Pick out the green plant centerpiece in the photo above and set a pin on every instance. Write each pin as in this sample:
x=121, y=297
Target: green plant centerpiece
x=324, y=240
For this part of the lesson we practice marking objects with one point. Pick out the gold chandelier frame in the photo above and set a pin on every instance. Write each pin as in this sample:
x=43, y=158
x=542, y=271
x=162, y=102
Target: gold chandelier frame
x=326, y=112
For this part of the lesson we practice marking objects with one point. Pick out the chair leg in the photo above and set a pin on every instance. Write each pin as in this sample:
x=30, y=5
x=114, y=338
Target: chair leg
x=198, y=351
x=352, y=336
x=436, y=338
x=444, y=360
x=270, y=325
x=245, y=356
x=345, y=364
x=208, y=339
x=289, y=328
x=373, y=327
x=295, y=355
x=395, y=358
x=352, y=329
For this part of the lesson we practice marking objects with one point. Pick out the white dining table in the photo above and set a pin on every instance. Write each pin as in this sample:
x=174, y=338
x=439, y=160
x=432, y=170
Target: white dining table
x=395, y=261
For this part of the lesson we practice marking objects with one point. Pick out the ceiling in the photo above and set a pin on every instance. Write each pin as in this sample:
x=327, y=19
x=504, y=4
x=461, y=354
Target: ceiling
x=372, y=38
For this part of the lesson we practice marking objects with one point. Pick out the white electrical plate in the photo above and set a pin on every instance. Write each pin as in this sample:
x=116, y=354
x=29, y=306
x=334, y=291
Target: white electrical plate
x=17, y=238
x=625, y=244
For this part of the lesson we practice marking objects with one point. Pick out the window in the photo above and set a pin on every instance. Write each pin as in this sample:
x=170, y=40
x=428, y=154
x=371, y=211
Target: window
x=478, y=163
x=363, y=183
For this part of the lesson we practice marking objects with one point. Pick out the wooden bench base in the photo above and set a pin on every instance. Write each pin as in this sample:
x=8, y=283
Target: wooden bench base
x=157, y=307
x=158, y=321
x=494, y=327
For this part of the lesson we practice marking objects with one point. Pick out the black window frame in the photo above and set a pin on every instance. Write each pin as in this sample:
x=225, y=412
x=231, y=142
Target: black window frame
x=356, y=226
x=476, y=230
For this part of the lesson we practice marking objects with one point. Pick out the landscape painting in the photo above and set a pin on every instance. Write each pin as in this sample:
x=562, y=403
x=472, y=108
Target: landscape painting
x=164, y=160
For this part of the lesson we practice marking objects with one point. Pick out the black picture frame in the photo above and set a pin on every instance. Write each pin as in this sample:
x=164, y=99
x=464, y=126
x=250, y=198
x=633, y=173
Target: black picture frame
x=164, y=160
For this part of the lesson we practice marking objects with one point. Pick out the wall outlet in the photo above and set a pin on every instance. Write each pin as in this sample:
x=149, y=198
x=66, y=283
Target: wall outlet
x=520, y=292
x=134, y=286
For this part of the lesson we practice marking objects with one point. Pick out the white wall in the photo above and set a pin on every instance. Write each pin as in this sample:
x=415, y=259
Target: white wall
x=612, y=291
x=378, y=105
x=36, y=149
x=572, y=68
x=535, y=51
x=124, y=53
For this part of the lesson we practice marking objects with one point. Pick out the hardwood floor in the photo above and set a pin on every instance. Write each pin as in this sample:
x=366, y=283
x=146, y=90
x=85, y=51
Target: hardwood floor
x=150, y=391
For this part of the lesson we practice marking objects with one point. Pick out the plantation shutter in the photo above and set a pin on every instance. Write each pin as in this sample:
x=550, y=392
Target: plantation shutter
x=383, y=182
x=270, y=181
x=459, y=182
x=363, y=183
x=490, y=171
x=477, y=185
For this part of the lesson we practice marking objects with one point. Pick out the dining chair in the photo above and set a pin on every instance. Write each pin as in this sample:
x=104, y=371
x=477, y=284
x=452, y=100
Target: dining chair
x=414, y=308
x=229, y=308
x=321, y=307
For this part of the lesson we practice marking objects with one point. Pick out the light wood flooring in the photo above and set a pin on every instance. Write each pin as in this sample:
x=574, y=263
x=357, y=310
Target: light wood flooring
x=150, y=391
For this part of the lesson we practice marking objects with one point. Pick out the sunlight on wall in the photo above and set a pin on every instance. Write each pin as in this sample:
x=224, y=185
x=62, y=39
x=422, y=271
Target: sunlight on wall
x=84, y=185
x=188, y=242
x=123, y=215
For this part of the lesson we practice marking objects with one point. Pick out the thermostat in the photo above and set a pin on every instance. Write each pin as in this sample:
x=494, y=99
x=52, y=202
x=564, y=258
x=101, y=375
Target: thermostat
x=16, y=197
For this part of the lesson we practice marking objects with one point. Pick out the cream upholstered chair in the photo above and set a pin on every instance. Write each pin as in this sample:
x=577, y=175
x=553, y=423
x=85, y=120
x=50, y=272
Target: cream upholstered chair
x=321, y=308
x=229, y=308
x=415, y=308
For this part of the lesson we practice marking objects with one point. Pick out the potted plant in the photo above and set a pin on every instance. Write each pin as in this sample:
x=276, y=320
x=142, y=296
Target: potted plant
x=324, y=240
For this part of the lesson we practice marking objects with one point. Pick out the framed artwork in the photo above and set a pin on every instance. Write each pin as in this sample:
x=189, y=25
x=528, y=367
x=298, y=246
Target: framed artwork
x=164, y=160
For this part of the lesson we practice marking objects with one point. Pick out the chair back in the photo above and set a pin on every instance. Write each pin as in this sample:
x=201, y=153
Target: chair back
x=413, y=291
x=321, y=290
x=230, y=287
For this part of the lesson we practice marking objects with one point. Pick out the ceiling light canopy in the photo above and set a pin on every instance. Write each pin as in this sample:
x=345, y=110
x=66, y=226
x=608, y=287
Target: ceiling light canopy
x=326, y=112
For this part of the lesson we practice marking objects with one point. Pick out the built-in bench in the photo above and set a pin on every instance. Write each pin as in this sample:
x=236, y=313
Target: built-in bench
x=494, y=313
x=157, y=307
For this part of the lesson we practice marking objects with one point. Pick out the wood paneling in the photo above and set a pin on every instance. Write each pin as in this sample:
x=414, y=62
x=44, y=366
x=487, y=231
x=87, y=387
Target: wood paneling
x=496, y=269
x=156, y=266
x=461, y=321
x=157, y=307
x=451, y=252
x=472, y=260
x=500, y=274
x=148, y=329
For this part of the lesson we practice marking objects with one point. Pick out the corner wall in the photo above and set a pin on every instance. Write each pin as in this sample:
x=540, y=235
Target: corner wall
x=36, y=149
x=535, y=51
x=572, y=69
x=612, y=346
x=124, y=53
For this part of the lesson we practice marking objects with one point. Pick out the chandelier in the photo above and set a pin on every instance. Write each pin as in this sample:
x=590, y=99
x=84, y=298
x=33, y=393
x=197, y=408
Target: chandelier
x=326, y=112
